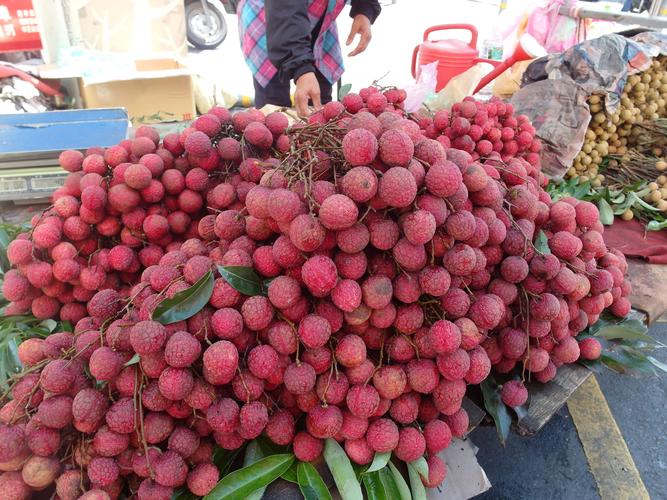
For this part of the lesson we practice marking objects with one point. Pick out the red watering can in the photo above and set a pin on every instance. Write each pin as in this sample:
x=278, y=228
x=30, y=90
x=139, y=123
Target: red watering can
x=453, y=56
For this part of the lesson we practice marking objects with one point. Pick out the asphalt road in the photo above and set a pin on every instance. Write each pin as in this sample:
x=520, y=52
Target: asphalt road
x=553, y=465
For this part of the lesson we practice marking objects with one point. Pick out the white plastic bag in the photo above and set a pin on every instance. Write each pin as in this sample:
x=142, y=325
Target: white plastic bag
x=458, y=87
x=423, y=88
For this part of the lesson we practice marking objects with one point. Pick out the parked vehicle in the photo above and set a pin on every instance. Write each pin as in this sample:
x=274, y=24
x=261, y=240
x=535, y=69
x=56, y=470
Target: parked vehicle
x=205, y=24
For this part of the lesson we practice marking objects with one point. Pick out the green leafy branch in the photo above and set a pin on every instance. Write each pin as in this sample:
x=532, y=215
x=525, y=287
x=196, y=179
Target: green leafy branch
x=627, y=347
x=13, y=331
x=612, y=201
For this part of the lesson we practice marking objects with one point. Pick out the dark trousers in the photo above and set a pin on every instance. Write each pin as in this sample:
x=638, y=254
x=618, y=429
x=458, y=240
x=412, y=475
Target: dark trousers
x=277, y=92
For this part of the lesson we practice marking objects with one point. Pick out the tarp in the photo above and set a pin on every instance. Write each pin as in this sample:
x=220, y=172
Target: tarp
x=631, y=238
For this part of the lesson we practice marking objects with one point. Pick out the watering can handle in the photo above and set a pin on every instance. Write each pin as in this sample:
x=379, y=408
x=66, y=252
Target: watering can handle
x=414, y=61
x=444, y=27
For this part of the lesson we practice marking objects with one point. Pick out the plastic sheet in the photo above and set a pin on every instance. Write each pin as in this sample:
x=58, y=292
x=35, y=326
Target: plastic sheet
x=560, y=115
x=423, y=88
x=458, y=87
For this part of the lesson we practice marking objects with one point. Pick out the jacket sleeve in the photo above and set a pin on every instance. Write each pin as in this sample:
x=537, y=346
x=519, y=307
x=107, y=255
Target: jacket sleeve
x=288, y=37
x=369, y=8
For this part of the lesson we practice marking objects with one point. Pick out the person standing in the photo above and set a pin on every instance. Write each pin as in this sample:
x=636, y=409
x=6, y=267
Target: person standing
x=297, y=40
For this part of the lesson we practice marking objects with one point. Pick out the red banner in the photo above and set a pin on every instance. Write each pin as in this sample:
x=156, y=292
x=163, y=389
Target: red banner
x=18, y=26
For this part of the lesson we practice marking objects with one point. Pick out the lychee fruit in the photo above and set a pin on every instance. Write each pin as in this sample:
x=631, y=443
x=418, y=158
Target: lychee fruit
x=397, y=187
x=514, y=393
x=360, y=147
x=382, y=435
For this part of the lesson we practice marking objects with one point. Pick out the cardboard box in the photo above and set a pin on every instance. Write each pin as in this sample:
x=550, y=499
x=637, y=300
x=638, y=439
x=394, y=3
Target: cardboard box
x=159, y=90
x=138, y=27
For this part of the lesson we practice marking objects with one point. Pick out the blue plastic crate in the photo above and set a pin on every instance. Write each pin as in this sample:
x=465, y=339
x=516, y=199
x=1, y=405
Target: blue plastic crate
x=32, y=135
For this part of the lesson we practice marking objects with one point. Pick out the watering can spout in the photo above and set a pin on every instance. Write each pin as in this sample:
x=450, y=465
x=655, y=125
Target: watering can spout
x=527, y=48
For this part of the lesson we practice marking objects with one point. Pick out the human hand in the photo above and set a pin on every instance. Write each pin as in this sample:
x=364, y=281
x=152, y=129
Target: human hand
x=307, y=88
x=361, y=26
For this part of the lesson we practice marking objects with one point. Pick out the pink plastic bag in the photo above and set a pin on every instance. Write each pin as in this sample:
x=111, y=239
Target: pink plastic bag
x=554, y=32
x=541, y=19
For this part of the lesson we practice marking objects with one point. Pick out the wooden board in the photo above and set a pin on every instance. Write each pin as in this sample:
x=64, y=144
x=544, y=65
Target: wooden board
x=547, y=399
x=475, y=413
x=649, y=288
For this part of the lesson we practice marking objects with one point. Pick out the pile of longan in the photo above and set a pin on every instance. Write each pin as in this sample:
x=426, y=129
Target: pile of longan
x=644, y=98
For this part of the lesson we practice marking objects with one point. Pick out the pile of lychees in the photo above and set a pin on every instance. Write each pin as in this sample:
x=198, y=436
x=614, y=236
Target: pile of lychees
x=403, y=257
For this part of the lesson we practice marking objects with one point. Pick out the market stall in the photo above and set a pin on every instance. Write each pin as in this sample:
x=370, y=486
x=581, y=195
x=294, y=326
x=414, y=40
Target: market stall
x=257, y=305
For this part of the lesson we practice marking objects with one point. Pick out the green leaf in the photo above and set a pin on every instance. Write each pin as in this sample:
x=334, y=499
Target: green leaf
x=496, y=408
x=344, y=90
x=268, y=447
x=14, y=362
x=638, y=201
x=374, y=487
x=66, y=326
x=290, y=475
x=421, y=466
x=631, y=329
x=242, y=279
x=403, y=488
x=389, y=484
x=658, y=364
x=606, y=213
x=183, y=493
x=49, y=324
x=622, y=361
x=581, y=190
x=224, y=459
x=342, y=471
x=521, y=411
x=5, y=239
x=654, y=225
x=617, y=198
x=253, y=454
x=542, y=243
x=416, y=485
x=4, y=243
x=265, y=287
x=311, y=483
x=185, y=304
x=359, y=469
x=594, y=365
x=241, y=483
x=379, y=461
x=133, y=360
x=380, y=485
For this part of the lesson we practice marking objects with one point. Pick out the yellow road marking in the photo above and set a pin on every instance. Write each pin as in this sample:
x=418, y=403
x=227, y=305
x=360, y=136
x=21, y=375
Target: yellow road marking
x=607, y=453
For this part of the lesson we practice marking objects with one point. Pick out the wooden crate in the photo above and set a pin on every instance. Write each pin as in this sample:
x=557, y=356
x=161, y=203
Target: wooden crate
x=547, y=399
